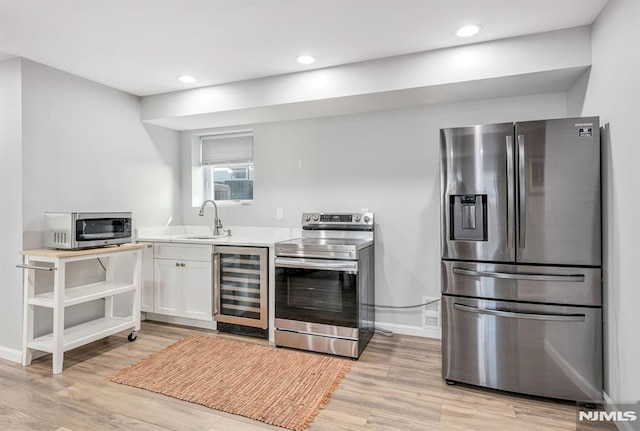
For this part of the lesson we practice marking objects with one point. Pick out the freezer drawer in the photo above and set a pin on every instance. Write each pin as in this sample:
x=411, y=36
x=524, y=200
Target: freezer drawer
x=545, y=350
x=528, y=283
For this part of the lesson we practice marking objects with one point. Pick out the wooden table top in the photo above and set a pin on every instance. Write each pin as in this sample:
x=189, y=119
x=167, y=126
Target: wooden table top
x=54, y=253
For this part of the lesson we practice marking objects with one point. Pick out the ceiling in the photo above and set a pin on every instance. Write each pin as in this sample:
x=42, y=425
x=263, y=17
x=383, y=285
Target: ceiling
x=142, y=46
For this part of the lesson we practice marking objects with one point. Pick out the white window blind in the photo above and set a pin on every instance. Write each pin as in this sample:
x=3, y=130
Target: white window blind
x=226, y=149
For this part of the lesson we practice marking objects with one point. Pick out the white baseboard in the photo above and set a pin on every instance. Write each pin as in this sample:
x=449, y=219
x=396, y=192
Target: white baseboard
x=416, y=331
x=610, y=406
x=13, y=355
x=180, y=321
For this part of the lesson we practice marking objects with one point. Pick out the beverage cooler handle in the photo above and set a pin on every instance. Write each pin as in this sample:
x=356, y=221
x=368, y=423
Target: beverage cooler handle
x=216, y=283
x=518, y=315
x=578, y=278
x=522, y=184
x=510, y=192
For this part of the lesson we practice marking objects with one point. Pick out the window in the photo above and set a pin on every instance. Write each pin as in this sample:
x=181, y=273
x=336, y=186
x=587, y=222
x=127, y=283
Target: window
x=227, y=166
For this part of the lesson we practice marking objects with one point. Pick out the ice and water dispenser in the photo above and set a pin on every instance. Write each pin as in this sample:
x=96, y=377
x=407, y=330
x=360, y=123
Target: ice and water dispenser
x=468, y=217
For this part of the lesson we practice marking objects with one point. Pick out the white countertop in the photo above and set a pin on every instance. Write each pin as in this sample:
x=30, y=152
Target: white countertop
x=240, y=235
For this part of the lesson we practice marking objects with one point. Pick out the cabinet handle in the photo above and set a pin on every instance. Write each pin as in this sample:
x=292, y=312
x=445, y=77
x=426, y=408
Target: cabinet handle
x=177, y=263
x=183, y=265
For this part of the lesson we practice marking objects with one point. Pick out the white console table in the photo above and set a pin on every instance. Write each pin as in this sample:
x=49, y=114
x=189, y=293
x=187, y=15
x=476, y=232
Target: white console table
x=58, y=297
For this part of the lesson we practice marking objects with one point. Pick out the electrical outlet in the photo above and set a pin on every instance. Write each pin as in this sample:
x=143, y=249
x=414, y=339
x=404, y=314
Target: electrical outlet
x=431, y=318
x=427, y=299
x=279, y=214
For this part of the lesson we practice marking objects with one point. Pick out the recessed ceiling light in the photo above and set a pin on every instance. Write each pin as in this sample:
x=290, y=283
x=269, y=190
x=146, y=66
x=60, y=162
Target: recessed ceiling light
x=467, y=30
x=187, y=79
x=306, y=59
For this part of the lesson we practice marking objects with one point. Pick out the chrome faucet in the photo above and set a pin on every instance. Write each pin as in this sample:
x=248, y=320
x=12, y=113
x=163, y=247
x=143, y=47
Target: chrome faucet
x=217, y=224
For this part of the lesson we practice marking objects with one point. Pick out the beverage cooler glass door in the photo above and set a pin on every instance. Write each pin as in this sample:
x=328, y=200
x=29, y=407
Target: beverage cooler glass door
x=559, y=191
x=317, y=291
x=240, y=285
x=478, y=196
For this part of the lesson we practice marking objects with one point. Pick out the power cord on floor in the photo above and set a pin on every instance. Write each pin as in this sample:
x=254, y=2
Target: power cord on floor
x=388, y=333
x=383, y=331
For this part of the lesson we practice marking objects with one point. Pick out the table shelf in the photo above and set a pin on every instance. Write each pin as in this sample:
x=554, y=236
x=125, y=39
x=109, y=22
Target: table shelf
x=80, y=294
x=79, y=335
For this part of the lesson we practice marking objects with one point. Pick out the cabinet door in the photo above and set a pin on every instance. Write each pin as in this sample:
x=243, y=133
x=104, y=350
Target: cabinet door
x=196, y=291
x=147, y=292
x=167, y=286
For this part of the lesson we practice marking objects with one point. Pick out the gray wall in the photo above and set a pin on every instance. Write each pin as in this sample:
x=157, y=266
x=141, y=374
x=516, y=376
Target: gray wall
x=612, y=91
x=83, y=148
x=385, y=161
x=10, y=206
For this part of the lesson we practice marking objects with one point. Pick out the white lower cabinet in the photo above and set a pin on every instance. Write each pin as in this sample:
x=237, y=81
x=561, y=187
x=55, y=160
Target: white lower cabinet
x=182, y=286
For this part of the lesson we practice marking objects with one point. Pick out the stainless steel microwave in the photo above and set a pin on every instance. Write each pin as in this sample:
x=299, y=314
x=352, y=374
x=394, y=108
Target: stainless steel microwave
x=75, y=230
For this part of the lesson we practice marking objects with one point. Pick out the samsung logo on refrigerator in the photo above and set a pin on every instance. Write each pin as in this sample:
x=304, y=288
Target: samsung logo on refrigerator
x=584, y=129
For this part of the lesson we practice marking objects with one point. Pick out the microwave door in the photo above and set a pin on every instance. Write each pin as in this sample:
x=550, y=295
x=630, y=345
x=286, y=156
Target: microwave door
x=102, y=228
x=558, y=165
x=477, y=193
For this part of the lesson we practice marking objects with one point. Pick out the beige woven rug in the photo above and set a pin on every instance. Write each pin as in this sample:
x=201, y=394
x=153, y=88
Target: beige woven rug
x=279, y=387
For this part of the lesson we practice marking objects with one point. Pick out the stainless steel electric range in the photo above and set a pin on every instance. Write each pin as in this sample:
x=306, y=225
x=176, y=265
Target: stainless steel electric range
x=325, y=285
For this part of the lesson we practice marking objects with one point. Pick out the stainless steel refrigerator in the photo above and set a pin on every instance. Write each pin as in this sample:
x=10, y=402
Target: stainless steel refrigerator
x=521, y=257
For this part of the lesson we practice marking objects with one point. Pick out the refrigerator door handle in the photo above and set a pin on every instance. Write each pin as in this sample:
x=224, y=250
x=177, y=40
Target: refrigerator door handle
x=520, y=315
x=522, y=184
x=578, y=278
x=510, y=192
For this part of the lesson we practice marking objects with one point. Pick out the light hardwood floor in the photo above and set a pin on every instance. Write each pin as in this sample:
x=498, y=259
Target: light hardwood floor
x=395, y=385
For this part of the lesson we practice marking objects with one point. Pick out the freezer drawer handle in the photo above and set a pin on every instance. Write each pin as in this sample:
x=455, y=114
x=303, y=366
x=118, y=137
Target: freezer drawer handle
x=579, y=278
x=514, y=315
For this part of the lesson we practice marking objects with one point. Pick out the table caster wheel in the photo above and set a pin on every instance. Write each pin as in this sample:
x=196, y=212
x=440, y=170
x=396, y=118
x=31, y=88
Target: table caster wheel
x=132, y=337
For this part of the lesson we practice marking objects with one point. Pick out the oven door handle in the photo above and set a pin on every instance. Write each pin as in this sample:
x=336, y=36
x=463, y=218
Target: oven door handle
x=326, y=265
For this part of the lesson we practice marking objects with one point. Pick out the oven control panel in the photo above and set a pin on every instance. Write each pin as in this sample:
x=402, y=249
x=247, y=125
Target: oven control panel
x=336, y=221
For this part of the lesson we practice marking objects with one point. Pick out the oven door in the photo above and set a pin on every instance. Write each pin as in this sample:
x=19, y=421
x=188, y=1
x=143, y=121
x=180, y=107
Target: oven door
x=317, y=291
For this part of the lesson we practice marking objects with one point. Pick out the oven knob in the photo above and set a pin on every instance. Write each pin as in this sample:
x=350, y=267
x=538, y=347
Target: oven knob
x=307, y=218
x=316, y=217
x=366, y=219
x=357, y=218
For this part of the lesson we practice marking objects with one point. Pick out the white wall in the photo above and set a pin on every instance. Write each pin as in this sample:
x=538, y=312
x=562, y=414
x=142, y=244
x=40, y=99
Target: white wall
x=532, y=64
x=83, y=148
x=613, y=93
x=10, y=207
x=384, y=161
